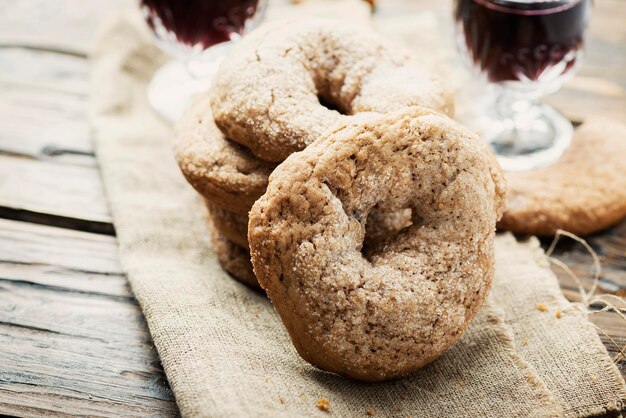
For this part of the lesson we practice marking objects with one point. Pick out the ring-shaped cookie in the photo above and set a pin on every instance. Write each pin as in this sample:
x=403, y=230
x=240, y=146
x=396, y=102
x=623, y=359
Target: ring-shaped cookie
x=234, y=259
x=223, y=172
x=379, y=227
x=232, y=225
x=268, y=93
x=385, y=315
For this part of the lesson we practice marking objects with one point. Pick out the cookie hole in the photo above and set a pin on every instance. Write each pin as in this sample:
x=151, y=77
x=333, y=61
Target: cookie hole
x=382, y=228
x=330, y=104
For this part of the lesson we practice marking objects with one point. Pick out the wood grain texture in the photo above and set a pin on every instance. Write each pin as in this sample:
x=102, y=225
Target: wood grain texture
x=64, y=26
x=47, y=163
x=72, y=339
x=50, y=187
x=43, y=105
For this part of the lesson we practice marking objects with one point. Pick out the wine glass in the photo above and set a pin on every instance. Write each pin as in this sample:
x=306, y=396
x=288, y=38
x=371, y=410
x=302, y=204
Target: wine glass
x=199, y=34
x=523, y=50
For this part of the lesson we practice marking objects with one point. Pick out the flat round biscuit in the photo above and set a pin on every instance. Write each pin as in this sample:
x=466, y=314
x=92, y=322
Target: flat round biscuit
x=582, y=193
x=386, y=313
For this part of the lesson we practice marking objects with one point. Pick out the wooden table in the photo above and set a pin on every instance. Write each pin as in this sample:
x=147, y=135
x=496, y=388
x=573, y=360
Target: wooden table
x=72, y=338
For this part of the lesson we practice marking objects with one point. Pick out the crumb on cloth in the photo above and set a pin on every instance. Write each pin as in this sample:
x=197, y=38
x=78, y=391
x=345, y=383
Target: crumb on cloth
x=323, y=404
x=541, y=307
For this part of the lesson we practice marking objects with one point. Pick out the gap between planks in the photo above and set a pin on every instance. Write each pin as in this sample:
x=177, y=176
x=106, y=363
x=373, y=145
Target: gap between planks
x=73, y=338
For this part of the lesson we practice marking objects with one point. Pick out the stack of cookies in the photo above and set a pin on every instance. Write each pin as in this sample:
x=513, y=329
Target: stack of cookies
x=335, y=179
x=283, y=87
x=328, y=162
x=229, y=178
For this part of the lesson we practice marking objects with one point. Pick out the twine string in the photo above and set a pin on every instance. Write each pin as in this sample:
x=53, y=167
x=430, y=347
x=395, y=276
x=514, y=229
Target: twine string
x=608, y=303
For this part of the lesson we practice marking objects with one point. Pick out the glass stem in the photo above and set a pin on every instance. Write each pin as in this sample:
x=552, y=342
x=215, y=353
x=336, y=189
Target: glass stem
x=206, y=65
x=518, y=112
x=200, y=69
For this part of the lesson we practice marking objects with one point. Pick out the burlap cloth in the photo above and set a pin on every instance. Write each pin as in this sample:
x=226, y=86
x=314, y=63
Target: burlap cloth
x=223, y=347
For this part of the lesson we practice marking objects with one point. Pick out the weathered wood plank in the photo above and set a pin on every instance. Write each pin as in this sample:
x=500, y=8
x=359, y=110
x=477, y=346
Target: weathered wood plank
x=49, y=187
x=43, y=106
x=74, y=376
x=73, y=339
x=60, y=258
x=43, y=118
x=63, y=279
x=68, y=26
x=44, y=70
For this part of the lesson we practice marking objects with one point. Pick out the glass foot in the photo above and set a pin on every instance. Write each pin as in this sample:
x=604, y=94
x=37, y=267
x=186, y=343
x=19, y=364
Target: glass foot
x=524, y=134
x=173, y=88
x=534, y=139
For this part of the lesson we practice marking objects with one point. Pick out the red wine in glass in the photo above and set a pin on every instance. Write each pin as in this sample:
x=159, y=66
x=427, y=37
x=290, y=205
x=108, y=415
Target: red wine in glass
x=523, y=49
x=199, y=33
x=527, y=41
x=198, y=24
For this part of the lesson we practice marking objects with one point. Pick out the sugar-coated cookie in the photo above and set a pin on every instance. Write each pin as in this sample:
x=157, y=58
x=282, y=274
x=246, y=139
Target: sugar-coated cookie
x=233, y=258
x=232, y=225
x=268, y=93
x=222, y=171
x=386, y=313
